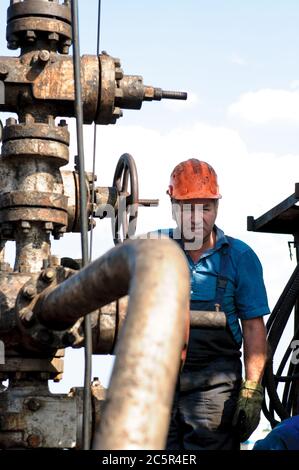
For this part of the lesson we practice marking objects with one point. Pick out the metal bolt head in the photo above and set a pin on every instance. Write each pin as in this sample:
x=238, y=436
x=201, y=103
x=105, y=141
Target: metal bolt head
x=34, y=441
x=11, y=122
x=3, y=70
x=44, y=55
x=34, y=404
x=119, y=74
x=29, y=291
x=25, y=226
x=30, y=36
x=49, y=227
x=65, y=50
x=49, y=275
x=53, y=37
x=117, y=113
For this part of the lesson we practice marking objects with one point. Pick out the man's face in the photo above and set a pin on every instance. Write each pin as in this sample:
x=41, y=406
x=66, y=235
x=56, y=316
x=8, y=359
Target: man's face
x=196, y=218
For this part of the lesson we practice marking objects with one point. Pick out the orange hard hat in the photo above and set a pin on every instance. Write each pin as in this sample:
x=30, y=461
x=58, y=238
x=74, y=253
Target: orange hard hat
x=193, y=179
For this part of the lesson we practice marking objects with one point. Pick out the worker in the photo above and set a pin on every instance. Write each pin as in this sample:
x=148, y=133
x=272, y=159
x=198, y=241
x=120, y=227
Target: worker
x=213, y=407
x=285, y=436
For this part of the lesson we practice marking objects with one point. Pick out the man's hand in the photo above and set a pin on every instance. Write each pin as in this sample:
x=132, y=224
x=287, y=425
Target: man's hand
x=247, y=415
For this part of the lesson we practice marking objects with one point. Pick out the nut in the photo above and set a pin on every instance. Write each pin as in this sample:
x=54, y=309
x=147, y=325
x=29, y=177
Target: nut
x=34, y=441
x=11, y=122
x=29, y=291
x=44, y=56
x=119, y=74
x=49, y=275
x=30, y=36
x=53, y=37
x=3, y=71
x=34, y=404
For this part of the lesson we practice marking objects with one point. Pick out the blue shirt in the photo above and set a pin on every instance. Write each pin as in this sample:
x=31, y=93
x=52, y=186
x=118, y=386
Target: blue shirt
x=284, y=437
x=245, y=295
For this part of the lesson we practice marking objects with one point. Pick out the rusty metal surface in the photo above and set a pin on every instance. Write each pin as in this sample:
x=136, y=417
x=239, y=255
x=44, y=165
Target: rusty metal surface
x=38, y=130
x=32, y=249
x=28, y=410
x=10, y=285
x=71, y=191
x=29, y=20
x=46, y=79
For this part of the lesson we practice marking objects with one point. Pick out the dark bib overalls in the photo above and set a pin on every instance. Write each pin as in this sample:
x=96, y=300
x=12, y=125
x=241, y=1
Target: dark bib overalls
x=208, y=387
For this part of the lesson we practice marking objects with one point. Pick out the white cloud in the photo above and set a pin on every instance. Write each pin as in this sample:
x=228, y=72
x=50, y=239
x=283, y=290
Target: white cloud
x=267, y=105
x=237, y=59
x=294, y=85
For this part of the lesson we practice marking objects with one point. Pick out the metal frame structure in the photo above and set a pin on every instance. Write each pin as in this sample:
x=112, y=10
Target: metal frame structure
x=282, y=219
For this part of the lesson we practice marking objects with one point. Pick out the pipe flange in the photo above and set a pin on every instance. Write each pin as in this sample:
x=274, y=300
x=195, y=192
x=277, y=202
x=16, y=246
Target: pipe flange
x=39, y=131
x=29, y=20
x=111, y=74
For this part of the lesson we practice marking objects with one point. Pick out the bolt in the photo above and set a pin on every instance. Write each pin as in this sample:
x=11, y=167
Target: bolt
x=49, y=275
x=25, y=226
x=34, y=404
x=29, y=291
x=117, y=113
x=11, y=122
x=62, y=123
x=48, y=227
x=65, y=50
x=44, y=56
x=3, y=71
x=34, y=441
x=53, y=37
x=119, y=74
x=30, y=36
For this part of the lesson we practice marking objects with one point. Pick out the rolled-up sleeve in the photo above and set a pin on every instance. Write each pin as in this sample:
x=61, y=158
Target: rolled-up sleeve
x=251, y=297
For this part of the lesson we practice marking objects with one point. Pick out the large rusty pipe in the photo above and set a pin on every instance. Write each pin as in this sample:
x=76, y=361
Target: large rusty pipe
x=156, y=276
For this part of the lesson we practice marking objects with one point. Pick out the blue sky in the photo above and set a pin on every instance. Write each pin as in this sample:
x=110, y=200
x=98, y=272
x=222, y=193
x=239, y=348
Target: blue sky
x=238, y=60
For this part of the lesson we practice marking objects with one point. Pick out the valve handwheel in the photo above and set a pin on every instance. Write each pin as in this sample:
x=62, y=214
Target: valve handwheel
x=125, y=182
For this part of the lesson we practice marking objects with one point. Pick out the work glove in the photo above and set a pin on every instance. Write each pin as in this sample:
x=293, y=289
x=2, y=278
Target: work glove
x=247, y=415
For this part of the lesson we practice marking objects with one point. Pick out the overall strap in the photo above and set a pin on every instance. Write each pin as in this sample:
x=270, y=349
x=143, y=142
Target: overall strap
x=222, y=277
